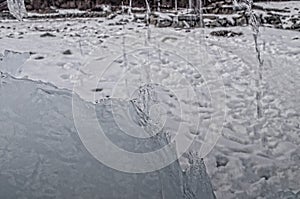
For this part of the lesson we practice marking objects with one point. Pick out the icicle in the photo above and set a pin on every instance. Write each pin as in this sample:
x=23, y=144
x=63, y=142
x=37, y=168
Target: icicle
x=255, y=29
x=148, y=12
x=125, y=60
x=190, y=5
x=130, y=7
x=247, y=5
x=200, y=13
x=17, y=9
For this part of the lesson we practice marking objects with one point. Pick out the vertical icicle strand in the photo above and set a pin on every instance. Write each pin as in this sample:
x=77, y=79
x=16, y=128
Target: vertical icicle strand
x=17, y=9
x=255, y=31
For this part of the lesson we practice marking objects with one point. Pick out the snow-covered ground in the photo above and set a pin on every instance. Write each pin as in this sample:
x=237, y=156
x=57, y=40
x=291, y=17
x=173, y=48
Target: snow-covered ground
x=254, y=158
x=293, y=6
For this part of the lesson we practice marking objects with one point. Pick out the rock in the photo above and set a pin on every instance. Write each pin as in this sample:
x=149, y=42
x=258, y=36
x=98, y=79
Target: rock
x=67, y=52
x=240, y=21
x=223, y=22
x=39, y=58
x=47, y=35
x=164, y=23
x=296, y=26
x=272, y=19
x=221, y=161
x=214, y=24
x=225, y=33
x=97, y=89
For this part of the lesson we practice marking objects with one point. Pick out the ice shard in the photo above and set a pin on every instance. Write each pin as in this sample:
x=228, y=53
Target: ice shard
x=17, y=9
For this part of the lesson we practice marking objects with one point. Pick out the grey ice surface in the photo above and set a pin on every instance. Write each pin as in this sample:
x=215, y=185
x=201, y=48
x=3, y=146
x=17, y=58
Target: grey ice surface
x=11, y=62
x=41, y=155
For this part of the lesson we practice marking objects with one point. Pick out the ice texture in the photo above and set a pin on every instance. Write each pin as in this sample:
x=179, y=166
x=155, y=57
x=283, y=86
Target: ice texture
x=42, y=156
x=11, y=62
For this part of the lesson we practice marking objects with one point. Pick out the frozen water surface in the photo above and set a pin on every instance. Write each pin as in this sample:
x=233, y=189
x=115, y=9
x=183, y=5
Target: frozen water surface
x=43, y=157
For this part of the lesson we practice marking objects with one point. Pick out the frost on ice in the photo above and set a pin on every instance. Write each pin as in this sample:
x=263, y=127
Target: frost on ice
x=17, y=8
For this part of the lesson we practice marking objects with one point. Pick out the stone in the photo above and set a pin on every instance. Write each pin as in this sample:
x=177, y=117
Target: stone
x=47, y=35
x=67, y=52
x=225, y=33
